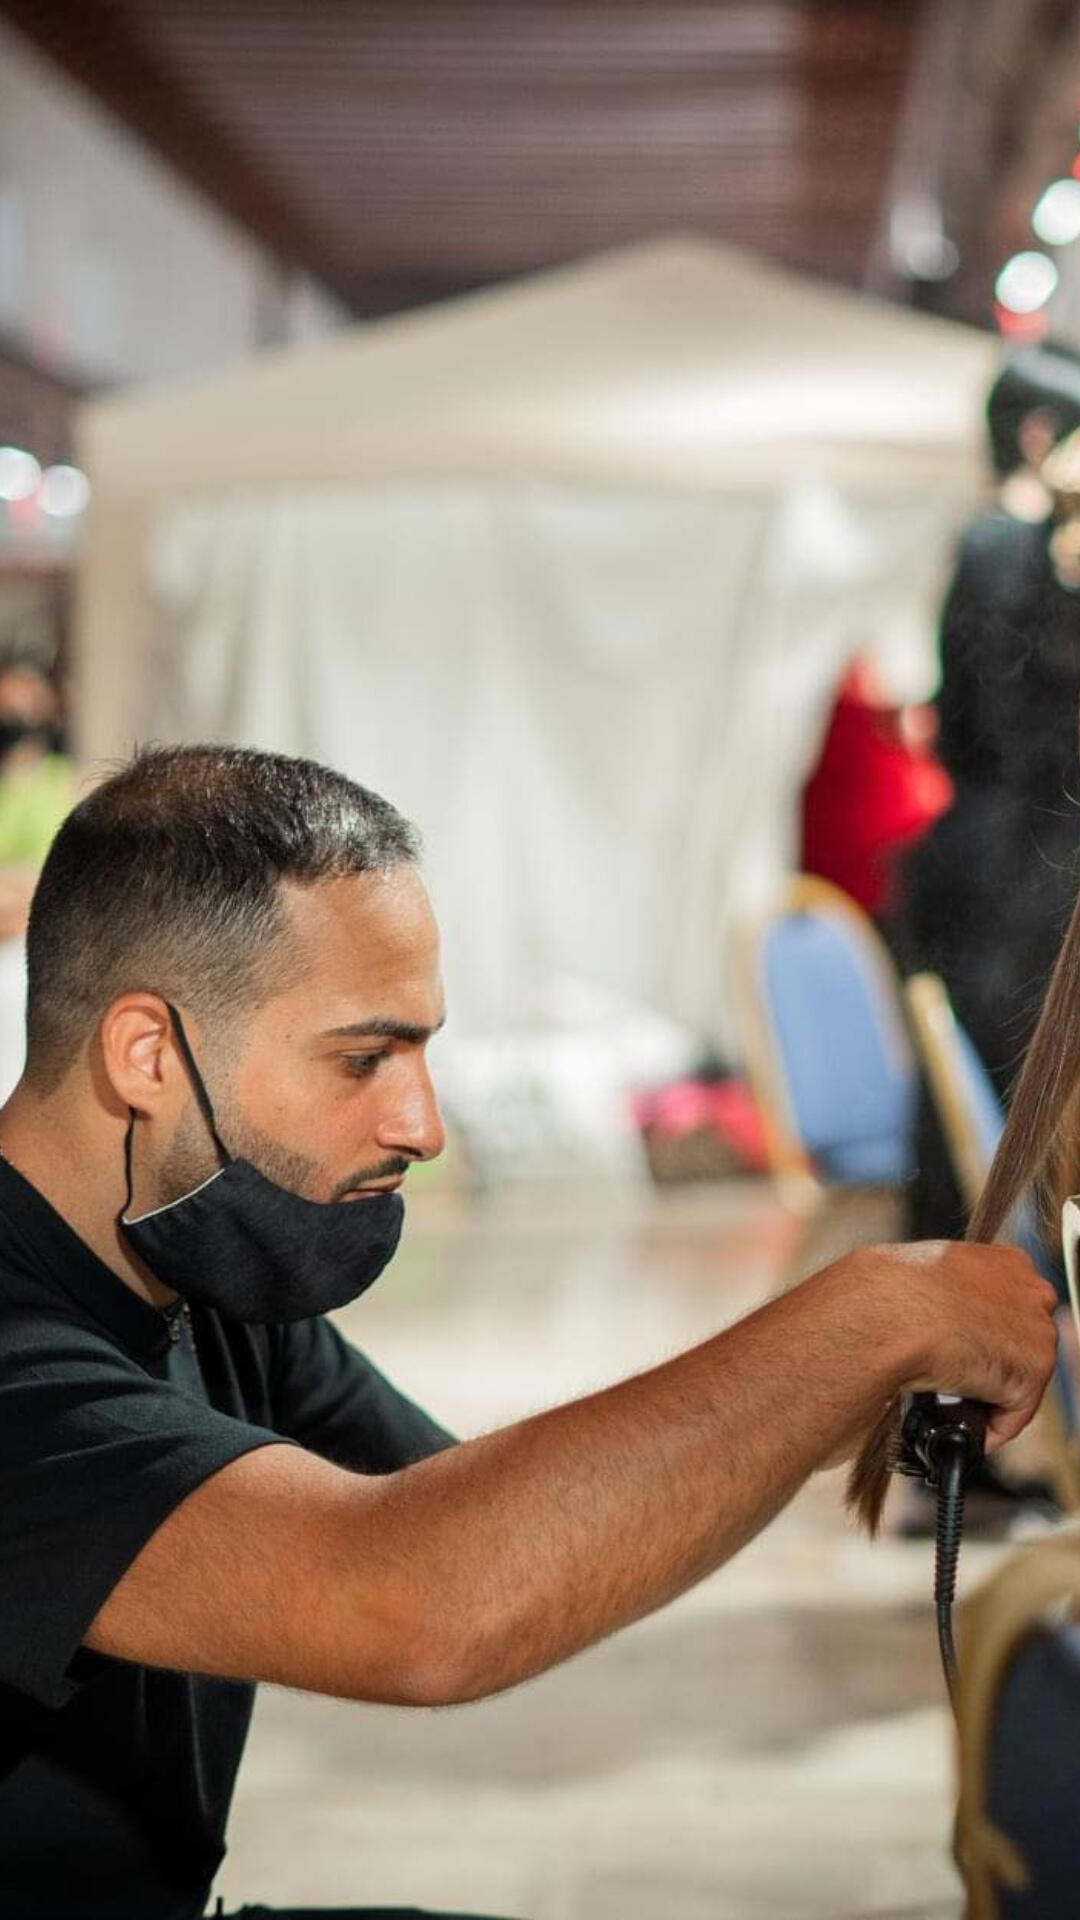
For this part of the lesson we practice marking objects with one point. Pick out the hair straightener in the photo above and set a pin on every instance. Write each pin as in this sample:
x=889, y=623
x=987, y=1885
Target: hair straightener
x=942, y=1441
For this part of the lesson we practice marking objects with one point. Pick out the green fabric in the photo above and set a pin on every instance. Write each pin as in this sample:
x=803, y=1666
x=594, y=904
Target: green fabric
x=33, y=801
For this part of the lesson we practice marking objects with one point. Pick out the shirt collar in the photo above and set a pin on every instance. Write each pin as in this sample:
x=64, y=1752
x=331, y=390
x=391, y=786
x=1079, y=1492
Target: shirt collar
x=66, y=1264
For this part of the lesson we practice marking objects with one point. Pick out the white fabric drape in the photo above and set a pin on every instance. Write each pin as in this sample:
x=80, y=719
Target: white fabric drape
x=598, y=707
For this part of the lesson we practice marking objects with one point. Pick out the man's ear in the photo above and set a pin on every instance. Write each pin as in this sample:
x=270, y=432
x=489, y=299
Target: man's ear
x=139, y=1054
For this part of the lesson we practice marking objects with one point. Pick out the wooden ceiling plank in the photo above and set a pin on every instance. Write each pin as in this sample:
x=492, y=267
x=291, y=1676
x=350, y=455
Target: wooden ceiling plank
x=126, y=78
x=381, y=142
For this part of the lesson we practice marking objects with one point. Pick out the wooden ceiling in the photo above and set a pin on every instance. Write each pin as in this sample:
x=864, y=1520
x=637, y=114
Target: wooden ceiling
x=402, y=150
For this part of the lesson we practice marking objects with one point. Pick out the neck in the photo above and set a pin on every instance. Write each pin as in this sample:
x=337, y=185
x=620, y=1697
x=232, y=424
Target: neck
x=78, y=1167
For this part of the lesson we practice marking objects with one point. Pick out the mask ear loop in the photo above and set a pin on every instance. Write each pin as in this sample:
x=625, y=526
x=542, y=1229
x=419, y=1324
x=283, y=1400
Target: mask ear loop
x=201, y=1096
x=128, y=1137
x=197, y=1083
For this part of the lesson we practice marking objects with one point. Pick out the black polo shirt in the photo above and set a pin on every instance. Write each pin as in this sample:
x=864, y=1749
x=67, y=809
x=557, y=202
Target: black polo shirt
x=115, y=1780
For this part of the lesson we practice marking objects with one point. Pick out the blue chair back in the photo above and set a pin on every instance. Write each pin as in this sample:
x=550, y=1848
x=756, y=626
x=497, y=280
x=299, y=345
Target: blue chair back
x=849, y=1074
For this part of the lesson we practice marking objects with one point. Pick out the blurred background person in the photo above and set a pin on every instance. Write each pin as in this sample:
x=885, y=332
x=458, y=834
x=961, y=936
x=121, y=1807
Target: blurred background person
x=37, y=788
x=37, y=783
x=876, y=790
x=985, y=896
x=1033, y=404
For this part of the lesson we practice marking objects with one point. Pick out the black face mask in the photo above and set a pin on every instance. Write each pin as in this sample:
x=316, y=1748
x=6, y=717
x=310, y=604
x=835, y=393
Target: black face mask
x=252, y=1249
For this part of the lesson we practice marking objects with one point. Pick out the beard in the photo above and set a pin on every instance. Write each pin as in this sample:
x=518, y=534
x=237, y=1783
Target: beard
x=191, y=1159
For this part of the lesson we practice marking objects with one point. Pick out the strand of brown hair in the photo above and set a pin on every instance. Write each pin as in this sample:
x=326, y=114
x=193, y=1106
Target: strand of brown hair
x=1038, y=1153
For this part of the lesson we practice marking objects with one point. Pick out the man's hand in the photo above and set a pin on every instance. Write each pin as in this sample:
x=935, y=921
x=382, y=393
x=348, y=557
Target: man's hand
x=980, y=1320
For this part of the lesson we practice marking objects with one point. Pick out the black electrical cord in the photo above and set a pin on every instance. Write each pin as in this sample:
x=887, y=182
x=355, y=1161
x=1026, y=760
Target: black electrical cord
x=942, y=1441
x=952, y=1457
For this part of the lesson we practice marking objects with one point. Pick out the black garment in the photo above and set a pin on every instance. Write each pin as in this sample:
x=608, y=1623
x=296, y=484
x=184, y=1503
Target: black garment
x=1010, y=664
x=986, y=896
x=115, y=1780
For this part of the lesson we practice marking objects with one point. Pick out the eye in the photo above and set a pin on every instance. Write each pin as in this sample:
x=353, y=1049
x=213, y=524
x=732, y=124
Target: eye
x=361, y=1065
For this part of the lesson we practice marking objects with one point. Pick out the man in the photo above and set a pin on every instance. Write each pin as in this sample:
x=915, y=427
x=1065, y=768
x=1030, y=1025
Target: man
x=233, y=975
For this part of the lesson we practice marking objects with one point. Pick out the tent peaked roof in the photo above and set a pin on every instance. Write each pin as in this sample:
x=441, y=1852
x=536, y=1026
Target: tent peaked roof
x=681, y=362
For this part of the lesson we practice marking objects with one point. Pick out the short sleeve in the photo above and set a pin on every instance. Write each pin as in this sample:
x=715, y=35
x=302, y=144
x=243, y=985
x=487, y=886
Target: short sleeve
x=94, y=1455
x=331, y=1399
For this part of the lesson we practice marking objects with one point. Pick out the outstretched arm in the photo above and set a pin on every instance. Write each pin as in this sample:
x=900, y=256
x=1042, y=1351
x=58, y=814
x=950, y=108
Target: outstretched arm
x=480, y=1566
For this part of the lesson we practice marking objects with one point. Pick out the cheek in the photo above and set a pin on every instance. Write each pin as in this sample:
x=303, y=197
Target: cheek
x=297, y=1103
x=313, y=1108
x=342, y=1127
x=349, y=1107
x=339, y=1106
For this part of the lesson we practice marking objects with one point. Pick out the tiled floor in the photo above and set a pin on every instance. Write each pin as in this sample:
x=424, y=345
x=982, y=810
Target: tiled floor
x=772, y=1747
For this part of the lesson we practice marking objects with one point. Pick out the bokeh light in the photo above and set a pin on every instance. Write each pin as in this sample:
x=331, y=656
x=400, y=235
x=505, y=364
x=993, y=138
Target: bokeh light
x=1056, y=219
x=64, y=492
x=1026, y=282
x=20, y=474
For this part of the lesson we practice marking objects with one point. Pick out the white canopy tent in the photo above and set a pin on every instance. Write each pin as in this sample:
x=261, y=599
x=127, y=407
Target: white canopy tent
x=568, y=570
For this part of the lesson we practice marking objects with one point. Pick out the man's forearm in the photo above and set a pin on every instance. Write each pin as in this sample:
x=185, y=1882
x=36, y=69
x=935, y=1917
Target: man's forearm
x=533, y=1542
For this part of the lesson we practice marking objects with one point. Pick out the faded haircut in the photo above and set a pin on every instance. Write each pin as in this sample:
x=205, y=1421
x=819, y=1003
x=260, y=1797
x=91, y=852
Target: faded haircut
x=166, y=879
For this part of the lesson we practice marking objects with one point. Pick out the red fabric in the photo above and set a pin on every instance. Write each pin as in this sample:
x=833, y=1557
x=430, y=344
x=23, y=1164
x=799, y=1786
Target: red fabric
x=872, y=792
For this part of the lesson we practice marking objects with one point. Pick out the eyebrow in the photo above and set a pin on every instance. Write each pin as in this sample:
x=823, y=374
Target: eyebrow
x=383, y=1029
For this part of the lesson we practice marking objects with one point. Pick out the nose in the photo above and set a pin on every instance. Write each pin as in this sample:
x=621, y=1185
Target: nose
x=411, y=1123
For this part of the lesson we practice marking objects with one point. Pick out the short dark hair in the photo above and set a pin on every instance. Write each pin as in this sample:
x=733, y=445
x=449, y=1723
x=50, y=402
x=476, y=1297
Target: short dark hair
x=1042, y=378
x=165, y=879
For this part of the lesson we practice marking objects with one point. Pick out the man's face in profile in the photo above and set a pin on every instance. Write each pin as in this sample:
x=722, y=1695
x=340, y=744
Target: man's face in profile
x=326, y=1088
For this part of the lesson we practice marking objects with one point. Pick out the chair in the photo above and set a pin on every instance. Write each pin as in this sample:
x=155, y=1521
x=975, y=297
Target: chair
x=972, y=1120
x=1018, y=1717
x=962, y=1091
x=826, y=1046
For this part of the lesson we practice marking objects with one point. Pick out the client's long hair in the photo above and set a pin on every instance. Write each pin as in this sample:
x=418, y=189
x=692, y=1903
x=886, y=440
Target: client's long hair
x=1039, y=1153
